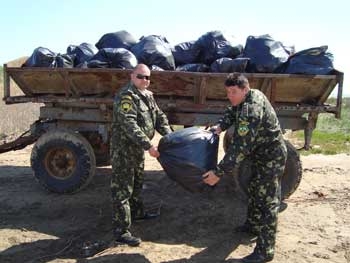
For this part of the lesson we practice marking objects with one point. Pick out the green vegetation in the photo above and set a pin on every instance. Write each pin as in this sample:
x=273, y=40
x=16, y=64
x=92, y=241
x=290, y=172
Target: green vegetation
x=331, y=135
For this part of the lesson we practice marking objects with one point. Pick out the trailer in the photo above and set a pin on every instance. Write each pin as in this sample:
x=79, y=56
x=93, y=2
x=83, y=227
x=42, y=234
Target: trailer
x=72, y=132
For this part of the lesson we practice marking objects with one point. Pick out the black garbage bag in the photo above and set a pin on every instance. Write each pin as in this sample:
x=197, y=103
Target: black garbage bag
x=186, y=53
x=229, y=65
x=154, y=50
x=214, y=45
x=44, y=57
x=113, y=58
x=64, y=61
x=195, y=67
x=265, y=54
x=289, y=49
x=41, y=57
x=82, y=53
x=309, y=61
x=156, y=68
x=120, y=39
x=187, y=154
x=82, y=65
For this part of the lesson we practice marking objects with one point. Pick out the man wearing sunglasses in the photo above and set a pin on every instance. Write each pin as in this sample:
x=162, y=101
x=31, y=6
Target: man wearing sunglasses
x=257, y=135
x=136, y=117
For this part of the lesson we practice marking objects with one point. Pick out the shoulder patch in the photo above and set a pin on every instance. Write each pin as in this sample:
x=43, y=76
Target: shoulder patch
x=125, y=105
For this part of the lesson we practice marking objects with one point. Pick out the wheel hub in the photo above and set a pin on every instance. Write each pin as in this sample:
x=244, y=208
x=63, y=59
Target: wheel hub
x=60, y=162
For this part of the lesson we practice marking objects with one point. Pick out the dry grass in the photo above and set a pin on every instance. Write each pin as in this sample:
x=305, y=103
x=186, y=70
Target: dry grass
x=15, y=118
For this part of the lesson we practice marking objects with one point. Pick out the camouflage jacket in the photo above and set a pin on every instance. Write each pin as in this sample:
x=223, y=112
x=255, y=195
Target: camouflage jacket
x=257, y=133
x=136, y=116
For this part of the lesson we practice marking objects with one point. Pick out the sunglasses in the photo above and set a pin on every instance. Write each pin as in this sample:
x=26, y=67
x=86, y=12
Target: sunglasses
x=140, y=76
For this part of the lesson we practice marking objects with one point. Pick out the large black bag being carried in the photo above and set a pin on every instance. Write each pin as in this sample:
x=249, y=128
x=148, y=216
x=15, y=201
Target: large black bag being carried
x=187, y=154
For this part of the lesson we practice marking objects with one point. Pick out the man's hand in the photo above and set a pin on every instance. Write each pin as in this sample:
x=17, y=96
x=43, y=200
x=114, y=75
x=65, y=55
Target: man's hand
x=153, y=151
x=216, y=129
x=210, y=178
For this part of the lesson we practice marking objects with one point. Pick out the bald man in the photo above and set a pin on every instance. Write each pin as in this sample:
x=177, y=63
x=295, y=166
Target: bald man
x=136, y=117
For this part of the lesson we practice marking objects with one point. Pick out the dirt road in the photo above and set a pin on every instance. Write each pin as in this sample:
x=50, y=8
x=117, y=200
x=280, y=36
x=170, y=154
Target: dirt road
x=36, y=226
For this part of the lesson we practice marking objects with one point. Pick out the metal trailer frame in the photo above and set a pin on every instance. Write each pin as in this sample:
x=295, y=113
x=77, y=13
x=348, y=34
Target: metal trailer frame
x=81, y=99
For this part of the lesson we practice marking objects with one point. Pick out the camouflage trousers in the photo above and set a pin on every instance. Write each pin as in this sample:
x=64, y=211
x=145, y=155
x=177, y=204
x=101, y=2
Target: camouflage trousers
x=126, y=186
x=264, y=201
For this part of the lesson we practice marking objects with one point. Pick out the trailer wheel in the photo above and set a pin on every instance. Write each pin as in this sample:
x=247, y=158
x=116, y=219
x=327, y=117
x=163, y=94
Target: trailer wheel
x=63, y=161
x=290, y=179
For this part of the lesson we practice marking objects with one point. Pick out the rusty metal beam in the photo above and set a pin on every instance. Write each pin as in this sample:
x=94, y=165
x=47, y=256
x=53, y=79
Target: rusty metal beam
x=7, y=91
x=65, y=76
x=201, y=91
x=61, y=99
x=327, y=90
x=190, y=119
x=273, y=92
x=265, y=87
x=77, y=114
x=340, y=78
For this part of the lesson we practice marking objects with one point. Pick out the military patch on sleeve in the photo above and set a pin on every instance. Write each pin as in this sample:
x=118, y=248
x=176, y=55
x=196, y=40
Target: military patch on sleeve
x=126, y=105
x=243, y=128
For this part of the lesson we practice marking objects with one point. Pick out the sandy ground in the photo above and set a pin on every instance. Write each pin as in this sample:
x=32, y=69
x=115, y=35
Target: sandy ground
x=37, y=226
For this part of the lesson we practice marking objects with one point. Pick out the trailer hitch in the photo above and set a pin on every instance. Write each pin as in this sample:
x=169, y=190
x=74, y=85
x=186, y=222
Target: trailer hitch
x=21, y=142
x=26, y=138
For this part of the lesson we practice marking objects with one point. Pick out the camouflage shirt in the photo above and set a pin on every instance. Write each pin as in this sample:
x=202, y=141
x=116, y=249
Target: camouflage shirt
x=136, y=116
x=257, y=132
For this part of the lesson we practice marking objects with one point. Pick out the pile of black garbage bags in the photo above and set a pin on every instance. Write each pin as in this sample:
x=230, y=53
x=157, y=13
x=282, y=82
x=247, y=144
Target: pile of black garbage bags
x=211, y=52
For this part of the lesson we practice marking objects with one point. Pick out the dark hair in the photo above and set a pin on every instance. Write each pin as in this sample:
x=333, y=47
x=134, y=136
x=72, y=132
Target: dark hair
x=236, y=80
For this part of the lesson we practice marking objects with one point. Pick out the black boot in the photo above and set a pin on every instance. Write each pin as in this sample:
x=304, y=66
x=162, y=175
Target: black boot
x=126, y=238
x=257, y=257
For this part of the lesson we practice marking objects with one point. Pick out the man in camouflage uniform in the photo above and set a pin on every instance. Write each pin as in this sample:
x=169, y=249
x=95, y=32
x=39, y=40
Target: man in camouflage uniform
x=257, y=135
x=136, y=116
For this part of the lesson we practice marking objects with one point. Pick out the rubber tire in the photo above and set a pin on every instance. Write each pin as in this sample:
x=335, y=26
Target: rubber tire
x=290, y=179
x=84, y=164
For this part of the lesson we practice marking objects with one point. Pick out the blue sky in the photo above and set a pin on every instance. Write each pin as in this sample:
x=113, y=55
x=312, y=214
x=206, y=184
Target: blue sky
x=56, y=24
